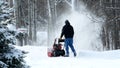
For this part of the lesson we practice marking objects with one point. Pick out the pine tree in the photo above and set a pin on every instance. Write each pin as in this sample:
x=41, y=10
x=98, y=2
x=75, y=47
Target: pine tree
x=10, y=57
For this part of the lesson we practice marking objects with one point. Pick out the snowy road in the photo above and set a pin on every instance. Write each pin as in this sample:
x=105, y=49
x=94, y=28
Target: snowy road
x=37, y=58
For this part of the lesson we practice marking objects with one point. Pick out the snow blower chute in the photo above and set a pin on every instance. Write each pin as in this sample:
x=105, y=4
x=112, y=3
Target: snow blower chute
x=57, y=49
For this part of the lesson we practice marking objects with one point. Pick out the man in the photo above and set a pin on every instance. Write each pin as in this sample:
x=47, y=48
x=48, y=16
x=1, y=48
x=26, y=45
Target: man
x=68, y=33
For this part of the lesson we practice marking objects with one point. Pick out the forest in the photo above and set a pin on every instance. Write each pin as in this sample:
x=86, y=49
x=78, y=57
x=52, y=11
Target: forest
x=42, y=15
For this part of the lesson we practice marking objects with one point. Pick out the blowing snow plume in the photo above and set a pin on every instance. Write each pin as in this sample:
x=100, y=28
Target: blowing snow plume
x=87, y=28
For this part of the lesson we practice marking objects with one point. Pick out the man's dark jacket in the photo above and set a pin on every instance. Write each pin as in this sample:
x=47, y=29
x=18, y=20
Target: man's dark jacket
x=67, y=31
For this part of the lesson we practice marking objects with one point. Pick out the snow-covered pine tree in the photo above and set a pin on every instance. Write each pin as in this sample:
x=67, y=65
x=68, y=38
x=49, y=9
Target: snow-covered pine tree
x=10, y=57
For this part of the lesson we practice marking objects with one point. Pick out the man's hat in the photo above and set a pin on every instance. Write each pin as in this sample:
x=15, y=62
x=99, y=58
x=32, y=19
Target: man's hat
x=67, y=22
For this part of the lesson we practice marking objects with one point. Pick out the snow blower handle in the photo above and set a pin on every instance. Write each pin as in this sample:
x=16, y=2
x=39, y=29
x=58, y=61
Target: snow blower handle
x=61, y=40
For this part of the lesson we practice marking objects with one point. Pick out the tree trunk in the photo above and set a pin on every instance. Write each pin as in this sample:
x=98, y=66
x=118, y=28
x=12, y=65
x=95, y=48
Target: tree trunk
x=34, y=14
x=30, y=21
x=18, y=19
x=52, y=20
x=10, y=3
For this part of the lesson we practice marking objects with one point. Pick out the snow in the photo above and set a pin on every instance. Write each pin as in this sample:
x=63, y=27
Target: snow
x=11, y=27
x=3, y=65
x=14, y=53
x=87, y=28
x=22, y=30
x=41, y=38
x=37, y=58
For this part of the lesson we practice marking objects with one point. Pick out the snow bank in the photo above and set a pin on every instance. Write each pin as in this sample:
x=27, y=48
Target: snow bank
x=37, y=58
x=115, y=54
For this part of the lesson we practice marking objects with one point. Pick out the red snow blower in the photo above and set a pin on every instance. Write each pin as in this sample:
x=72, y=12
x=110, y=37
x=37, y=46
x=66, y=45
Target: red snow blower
x=57, y=50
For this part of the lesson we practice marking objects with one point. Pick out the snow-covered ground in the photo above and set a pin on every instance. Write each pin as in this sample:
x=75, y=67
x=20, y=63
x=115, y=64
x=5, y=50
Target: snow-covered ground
x=37, y=58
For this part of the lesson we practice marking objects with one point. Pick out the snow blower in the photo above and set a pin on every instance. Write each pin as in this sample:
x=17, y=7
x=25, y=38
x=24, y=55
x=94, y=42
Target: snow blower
x=57, y=49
